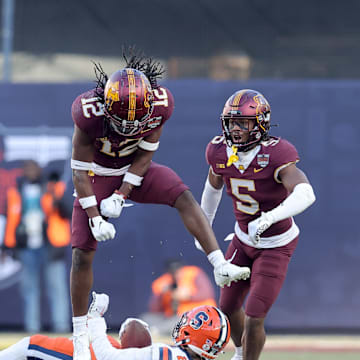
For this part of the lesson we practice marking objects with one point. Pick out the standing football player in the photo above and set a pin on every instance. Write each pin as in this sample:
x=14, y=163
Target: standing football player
x=267, y=190
x=117, y=130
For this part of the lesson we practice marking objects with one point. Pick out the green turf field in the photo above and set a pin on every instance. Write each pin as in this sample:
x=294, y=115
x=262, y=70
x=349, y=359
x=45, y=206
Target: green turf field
x=292, y=347
x=285, y=355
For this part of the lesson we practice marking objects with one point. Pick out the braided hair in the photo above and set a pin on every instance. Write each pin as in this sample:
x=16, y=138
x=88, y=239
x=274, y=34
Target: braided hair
x=134, y=59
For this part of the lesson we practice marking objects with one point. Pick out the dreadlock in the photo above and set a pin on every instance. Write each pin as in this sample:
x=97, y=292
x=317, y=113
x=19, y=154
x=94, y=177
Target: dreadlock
x=101, y=79
x=136, y=59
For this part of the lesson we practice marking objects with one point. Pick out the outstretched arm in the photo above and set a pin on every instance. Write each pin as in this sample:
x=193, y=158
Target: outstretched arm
x=97, y=331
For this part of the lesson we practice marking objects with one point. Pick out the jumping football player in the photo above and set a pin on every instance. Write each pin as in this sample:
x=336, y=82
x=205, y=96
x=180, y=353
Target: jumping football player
x=267, y=190
x=116, y=132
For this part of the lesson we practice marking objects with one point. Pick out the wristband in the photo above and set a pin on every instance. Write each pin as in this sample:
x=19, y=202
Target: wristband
x=87, y=202
x=81, y=165
x=148, y=146
x=133, y=179
x=216, y=257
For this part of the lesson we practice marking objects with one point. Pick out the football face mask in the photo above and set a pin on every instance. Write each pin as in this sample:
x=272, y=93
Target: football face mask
x=245, y=105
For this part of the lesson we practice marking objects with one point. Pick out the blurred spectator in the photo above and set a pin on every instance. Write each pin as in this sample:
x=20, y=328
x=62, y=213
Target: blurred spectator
x=180, y=289
x=9, y=267
x=38, y=228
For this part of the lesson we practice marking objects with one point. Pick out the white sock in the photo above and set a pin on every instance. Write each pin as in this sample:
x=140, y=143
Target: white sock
x=79, y=325
x=238, y=353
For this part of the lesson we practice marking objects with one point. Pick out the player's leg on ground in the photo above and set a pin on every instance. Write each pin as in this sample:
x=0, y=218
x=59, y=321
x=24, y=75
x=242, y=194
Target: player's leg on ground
x=267, y=277
x=195, y=221
x=253, y=339
x=237, y=322
x=232, y=298
x=18, y=351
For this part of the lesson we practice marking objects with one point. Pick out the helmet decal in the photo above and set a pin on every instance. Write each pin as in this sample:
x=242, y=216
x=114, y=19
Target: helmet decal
x=112, y=94
x=197, y=322
x=205, y=330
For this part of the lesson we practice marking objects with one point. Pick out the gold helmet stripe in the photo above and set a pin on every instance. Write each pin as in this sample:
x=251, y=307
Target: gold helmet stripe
x=132, y=94
x=237, y=98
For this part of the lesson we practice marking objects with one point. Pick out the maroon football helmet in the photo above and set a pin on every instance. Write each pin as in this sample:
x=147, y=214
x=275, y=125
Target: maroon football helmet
x=247, y=104
x=128, y=101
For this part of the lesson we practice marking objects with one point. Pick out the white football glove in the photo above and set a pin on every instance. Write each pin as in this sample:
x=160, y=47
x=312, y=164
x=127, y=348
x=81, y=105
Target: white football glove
x=226, y=272
x=112, y=206
x=258, y=226
x=99, y=305
x=101, y=229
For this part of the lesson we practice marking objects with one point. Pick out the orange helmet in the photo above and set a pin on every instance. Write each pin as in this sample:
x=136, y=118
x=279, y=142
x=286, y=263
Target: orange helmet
x=204, y=329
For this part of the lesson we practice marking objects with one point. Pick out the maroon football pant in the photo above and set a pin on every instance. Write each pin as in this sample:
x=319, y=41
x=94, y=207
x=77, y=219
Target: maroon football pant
x=161, y=185
x=268, y=272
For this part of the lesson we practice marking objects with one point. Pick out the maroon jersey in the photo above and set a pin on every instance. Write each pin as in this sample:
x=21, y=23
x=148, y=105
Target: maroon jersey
x=257, y=187
x=113, y=150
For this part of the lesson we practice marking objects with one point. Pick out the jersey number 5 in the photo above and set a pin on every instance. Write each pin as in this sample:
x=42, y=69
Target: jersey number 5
x=247, y=203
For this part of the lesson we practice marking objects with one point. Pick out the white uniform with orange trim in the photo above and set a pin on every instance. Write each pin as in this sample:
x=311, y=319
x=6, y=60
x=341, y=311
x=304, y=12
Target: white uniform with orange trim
x=105, y=351
x=41, y=347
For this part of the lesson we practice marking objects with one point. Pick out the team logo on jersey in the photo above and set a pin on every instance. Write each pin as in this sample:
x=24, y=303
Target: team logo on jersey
x=263, y=160
x=220, y=166
x=154, y=122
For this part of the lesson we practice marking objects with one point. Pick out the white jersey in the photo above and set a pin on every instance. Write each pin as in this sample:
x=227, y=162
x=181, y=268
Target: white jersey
x=105, y=351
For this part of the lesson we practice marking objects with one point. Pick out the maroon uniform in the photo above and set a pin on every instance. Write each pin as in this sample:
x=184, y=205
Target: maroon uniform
x=114, y=152
x=254, y=186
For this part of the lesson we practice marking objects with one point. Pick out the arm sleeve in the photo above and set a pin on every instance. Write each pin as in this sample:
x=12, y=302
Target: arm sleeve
x=105, y=351
x=210, y=200
x=299, y=200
